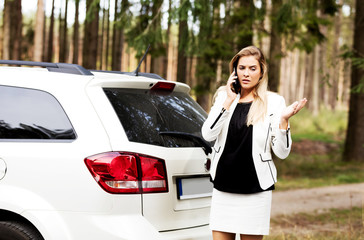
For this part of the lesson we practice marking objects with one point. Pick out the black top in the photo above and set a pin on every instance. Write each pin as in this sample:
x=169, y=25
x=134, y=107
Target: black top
x=236, y=172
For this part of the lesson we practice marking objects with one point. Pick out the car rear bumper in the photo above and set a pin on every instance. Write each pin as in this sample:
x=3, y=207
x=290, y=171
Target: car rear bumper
x=55, y=225
x=196, y=233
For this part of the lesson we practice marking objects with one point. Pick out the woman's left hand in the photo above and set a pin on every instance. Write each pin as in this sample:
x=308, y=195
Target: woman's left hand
x=290, y=111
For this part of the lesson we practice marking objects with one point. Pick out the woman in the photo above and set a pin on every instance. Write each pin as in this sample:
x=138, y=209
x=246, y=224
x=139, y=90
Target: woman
x=246, y=125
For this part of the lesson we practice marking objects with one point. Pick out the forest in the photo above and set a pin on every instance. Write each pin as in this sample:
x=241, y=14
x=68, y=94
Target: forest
x=314, y=48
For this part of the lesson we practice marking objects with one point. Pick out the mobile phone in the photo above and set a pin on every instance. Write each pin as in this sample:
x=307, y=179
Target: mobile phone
x=236, y=84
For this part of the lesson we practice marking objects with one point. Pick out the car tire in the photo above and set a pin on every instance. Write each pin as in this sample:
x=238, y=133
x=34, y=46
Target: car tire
x=12, y=230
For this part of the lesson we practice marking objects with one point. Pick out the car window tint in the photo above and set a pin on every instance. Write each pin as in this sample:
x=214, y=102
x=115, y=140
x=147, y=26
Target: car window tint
x=32, y=114
x=145, y=114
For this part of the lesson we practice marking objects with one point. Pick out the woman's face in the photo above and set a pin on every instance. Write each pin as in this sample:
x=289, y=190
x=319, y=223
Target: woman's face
x=249, y=73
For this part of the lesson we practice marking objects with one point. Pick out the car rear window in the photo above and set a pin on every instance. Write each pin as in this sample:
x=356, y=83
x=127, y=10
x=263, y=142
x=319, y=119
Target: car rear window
x=158, y=118
x=32, y=114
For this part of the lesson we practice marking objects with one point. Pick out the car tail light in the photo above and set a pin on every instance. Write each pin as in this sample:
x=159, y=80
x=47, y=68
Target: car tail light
x=163, y=86
x=120, y=172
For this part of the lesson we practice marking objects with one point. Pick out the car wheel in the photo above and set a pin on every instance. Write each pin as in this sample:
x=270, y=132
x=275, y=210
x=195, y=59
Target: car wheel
x=18, y=231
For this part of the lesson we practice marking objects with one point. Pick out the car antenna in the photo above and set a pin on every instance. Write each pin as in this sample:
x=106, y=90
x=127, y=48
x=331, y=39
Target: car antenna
x=136, y=72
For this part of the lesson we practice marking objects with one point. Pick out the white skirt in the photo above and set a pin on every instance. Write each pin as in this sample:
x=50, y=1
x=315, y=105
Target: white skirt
x=241, y=213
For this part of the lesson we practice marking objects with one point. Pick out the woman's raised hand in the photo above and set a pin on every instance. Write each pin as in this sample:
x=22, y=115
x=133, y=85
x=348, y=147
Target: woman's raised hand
x=290, y=111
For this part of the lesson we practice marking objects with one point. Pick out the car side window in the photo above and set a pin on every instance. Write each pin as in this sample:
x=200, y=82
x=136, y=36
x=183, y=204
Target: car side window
x=32, y=114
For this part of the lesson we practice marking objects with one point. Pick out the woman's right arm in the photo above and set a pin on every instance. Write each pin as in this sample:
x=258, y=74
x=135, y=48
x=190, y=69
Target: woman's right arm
x=213, y=124
x=217, y=116
x=219, y=111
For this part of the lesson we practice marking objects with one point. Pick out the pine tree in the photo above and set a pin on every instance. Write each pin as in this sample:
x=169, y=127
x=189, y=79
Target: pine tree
x=354, y=145
x=90, y=41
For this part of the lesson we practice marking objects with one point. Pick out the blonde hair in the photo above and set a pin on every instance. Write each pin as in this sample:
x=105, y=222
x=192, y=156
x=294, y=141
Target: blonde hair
x=258, y=108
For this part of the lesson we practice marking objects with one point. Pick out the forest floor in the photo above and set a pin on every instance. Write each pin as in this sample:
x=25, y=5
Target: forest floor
x=315, y=200
x=288, y=207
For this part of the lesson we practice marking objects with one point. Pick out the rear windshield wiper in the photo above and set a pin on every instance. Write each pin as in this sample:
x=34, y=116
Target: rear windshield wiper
x=204, y=144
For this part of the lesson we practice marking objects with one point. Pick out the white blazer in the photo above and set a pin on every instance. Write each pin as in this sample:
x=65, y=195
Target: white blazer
x=266, y=136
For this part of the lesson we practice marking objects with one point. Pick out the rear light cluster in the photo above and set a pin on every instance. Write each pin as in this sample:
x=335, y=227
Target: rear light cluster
x=123, y=172
x=163, y=86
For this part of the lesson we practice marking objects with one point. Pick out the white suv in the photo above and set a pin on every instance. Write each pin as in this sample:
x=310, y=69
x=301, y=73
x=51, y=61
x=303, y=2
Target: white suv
x=100, y=155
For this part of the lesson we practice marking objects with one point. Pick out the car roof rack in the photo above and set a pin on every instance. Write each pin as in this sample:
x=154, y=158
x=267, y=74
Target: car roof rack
x=52, y=67
x=75, y=69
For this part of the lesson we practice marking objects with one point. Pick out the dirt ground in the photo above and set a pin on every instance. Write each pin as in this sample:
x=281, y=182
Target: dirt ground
x=317, y=199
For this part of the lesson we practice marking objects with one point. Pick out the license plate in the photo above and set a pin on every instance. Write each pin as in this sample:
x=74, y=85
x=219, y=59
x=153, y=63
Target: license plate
x=194, y=187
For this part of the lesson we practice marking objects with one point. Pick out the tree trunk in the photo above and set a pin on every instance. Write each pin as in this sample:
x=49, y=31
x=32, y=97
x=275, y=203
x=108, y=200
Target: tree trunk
x=116, y=39
x=285, y=79
x=76, y=33
x=12, y=30
x=340, y=88
x=61, y=47
x=316, y=81
x=182, y=43
x=6, y=33
x=325, y=71
x=168, y=41
x=101, y=38
x=63, y=55
x=18, y=25
x=44, y=38
x=309, y=78
x=302, y=75
x=275, y=50
x=354, y=145
x=168, y=65
x=90, y=41
x=217, y=33
x=51, y=35
x=171, y=59
x=38, y=35
x=293, y=77
x=107, y=37
x=336, y=61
